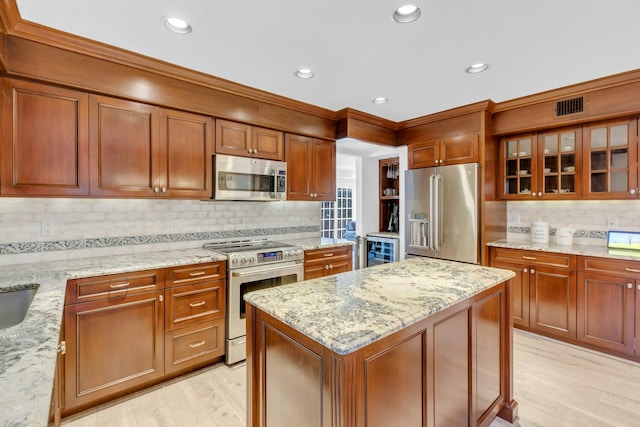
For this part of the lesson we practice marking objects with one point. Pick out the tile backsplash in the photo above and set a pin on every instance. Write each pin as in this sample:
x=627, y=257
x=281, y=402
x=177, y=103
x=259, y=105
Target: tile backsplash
x=97, y=227
x=590, y=219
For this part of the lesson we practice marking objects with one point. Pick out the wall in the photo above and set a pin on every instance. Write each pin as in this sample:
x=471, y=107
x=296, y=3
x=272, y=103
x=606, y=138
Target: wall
x=589, y=218
x=98, y=227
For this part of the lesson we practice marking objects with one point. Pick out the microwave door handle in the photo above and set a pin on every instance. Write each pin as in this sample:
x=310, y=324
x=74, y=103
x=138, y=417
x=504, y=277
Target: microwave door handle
x=274, y=183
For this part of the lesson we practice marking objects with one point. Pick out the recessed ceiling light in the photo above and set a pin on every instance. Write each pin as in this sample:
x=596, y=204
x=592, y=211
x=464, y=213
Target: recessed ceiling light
x=380, y=100
x=477, y=68
x=407, y=13
x=304, y=73
x=177, y=25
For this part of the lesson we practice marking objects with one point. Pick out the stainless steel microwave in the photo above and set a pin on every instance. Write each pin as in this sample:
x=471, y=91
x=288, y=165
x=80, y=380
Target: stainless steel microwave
x=246, y=178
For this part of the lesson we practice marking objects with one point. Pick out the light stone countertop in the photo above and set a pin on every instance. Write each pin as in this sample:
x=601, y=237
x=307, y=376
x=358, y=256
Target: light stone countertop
x=584, y=250
x=28, y=351
x=350, y=310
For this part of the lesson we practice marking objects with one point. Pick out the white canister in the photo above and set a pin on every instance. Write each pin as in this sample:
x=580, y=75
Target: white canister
x=564, y=236
x=539, y=232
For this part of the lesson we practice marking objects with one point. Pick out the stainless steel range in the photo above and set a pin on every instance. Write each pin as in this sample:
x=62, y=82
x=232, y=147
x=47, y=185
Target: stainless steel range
x=253, y=265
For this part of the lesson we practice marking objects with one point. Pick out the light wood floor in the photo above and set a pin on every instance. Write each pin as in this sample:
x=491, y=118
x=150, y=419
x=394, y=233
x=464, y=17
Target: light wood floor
x=556, y=385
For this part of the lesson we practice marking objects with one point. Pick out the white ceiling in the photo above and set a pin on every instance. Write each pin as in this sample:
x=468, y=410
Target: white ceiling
x=358, y=53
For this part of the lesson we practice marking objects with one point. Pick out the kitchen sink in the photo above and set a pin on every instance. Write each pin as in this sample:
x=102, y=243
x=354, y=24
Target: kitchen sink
x=14, y=304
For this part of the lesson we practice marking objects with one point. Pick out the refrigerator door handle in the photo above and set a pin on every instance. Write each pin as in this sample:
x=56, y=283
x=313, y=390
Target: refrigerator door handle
x=437, y=241
x=430, y=244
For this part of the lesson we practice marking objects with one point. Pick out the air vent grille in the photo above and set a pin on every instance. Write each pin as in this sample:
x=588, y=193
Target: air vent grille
x=570, y=106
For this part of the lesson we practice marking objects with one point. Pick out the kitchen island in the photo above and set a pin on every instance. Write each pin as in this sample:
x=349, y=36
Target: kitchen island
x=411, y=343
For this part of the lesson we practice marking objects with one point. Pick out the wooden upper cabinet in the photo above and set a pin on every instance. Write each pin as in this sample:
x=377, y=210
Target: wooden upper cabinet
x=311, y=168
x=239, y=139
x=449, y=151
x=44, y=145
x=139, y=150
x=611, y=160
x=185, y=154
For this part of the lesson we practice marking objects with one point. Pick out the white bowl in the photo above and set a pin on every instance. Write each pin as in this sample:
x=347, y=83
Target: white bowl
x=523, y=172
x=570, y=169
x=523, y=153
x=567, y=148
x=547, y=170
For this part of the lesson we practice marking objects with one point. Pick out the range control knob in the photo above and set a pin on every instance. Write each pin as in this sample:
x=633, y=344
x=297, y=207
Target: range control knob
x=243, y=260
x=252, y=259
x=234, y=261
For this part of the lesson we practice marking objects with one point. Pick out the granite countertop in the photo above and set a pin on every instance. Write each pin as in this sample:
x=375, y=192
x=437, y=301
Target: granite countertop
x=350, y=310
x=584, y=250
x=28, y=351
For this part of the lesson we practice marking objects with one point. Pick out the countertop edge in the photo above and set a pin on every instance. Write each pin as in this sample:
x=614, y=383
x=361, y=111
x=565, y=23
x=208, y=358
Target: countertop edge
x=582, y=250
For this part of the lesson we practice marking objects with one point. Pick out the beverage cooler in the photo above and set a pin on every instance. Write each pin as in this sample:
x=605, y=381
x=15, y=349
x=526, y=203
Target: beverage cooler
x=381, y=248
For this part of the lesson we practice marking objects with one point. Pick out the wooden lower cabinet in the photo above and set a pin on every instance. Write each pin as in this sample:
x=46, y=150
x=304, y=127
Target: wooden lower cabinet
x=450, y=369
x=113, y=345
x=543, y=291
x=126, y=331
x=327, y=261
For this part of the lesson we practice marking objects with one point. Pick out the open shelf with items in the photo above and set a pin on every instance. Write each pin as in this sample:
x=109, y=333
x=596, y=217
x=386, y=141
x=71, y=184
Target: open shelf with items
x=389, y=194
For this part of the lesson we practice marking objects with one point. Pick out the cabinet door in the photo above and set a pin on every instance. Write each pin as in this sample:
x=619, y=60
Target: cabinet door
x=44, y=146
x=459, y=150
x=113, y=345
x=519, y=291
x=185, y=160
x=299, y=157
x=267, y=143
x=518, y=168
x=552, y=302
x=423, y=154
x=233, y=138
x=324, y=170
x=611, y=160
x=606, y=311
x=124, y=148
x=560, y=165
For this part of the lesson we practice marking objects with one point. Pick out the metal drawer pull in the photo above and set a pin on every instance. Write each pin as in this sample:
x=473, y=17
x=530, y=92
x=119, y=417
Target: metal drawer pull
x=197, y=273
x=197, y=344
x=120, y=285
x=196, y=304
x=629, y=285
x=528, y=257
x=236, y=343
x=533, y=271
x=632, y=270
x=328, y=255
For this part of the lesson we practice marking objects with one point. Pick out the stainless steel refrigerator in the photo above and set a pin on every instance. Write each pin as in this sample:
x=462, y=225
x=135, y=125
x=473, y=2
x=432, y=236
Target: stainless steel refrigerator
x=442, y=212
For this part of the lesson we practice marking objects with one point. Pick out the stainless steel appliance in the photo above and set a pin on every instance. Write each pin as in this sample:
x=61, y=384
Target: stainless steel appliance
x=245, y=178
x=253, y=265
x=442, y=208
x=381, y=249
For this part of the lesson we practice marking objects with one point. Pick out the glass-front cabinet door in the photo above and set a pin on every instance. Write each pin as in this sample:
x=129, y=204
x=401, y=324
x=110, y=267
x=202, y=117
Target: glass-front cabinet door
x=560, y=154
x=611, y=162
x=518, y=167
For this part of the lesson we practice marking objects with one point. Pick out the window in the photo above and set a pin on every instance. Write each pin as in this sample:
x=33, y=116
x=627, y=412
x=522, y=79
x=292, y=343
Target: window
x=336, y=215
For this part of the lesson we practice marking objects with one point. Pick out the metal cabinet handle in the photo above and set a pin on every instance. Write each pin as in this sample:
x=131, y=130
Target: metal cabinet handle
x=331, y=266
x=526, y=270
x=539, y=193
x=197, y=344
x=120, y=285
x=632, y=191
x=326, y=267
x=629, y=285
x=197, y=273
x=156, y=190
x=164, y=189
x=328, y=255
x=638, y=287
x=196, y=304
x=632, y=270
x=533, y=271
x=529, y=257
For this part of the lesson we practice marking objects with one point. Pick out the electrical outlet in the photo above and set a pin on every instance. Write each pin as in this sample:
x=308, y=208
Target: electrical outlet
x=175, y=225
x=47, y=227
x=612, y=222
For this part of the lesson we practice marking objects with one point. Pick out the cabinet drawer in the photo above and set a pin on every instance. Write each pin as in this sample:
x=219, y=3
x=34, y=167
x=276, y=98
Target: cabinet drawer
x=190, y=304
x=193, y=345
x=616, y=267
x=115, y=285
x=533, y=258
x=194, y=273
x=328, y=253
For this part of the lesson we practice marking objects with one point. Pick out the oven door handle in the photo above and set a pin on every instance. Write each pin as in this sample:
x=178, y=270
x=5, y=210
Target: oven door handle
x=264, y=270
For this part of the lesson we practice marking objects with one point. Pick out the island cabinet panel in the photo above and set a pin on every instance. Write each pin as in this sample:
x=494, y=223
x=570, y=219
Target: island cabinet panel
x=44, y=148
x=452, y=368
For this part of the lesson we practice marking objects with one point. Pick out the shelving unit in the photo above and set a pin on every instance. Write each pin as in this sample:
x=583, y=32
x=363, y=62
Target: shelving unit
x=389, y=182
